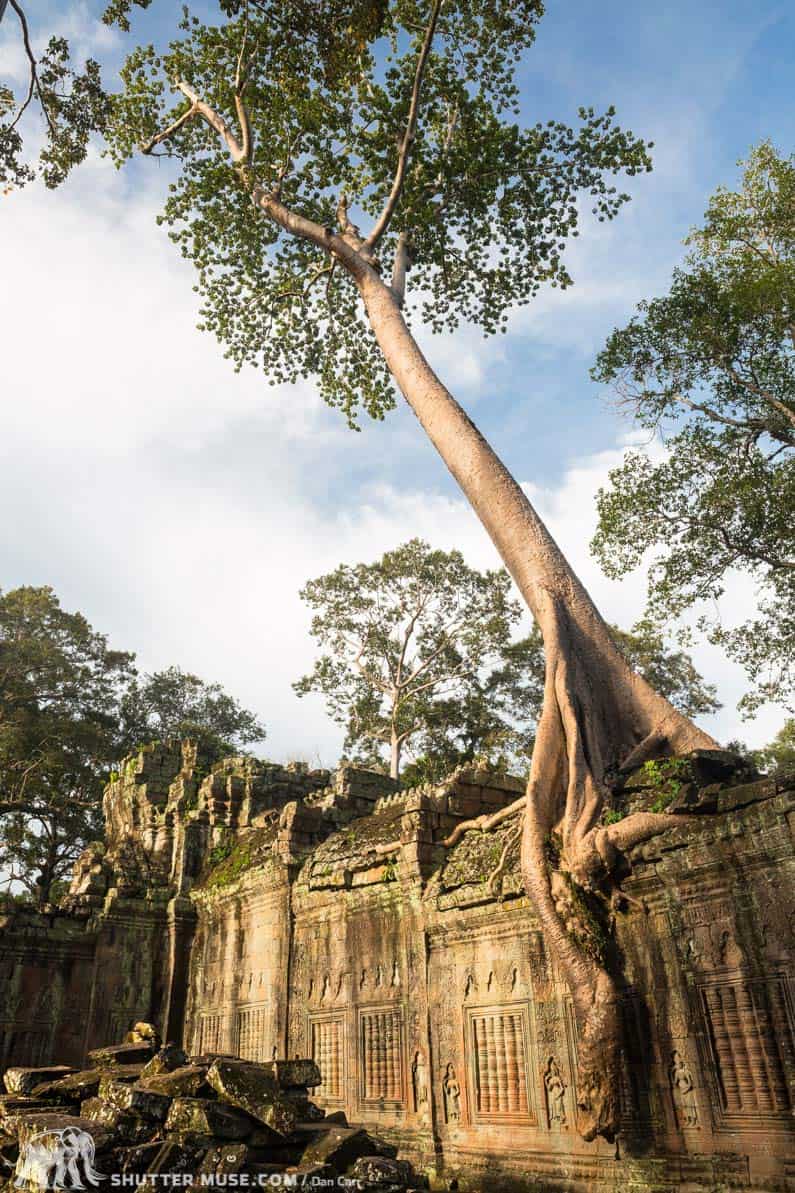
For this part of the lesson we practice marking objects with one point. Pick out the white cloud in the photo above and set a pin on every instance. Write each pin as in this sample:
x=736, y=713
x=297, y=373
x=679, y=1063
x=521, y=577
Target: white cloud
x=181, y=507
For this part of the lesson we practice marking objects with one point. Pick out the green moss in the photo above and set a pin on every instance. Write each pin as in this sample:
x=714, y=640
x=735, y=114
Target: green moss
x=589, y=909
x=390, y=873
x=612, y=816
x=233, y=856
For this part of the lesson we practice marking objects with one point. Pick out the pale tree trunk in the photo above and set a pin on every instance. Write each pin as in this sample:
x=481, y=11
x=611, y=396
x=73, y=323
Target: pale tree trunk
x=394, y=755
x=598, y=716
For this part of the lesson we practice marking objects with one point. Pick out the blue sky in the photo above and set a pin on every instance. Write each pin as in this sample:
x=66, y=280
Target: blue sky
x=181, y=507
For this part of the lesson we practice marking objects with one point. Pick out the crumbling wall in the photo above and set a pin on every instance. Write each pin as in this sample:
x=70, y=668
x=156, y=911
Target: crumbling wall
x=262, y=910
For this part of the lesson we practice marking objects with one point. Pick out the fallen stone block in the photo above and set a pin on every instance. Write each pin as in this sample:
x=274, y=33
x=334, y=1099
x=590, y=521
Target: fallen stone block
x=23, y=1081
x=253, y=1088
x=11, y=1104
x=223, y=1161
x=293, y=1073
x=126, y=1127
x=166, y=1060
x=84, y=1083
x=188, y=1082
x=143, y=1033
x=29, y=1125
x=380, y=1174
x=342, y=1146
x=204, y=1117
x=144, y=1102
x=122, y=1054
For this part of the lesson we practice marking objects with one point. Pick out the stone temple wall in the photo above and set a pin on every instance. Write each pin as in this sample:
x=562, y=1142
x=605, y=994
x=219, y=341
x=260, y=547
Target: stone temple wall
x=266, y=911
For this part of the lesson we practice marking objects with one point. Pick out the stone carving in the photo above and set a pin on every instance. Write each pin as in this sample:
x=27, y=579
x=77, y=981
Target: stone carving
x=753, y=1046
x=499, y=1063
x=452, y=1095
x=470, y=984
x=395, y=981
x=555, y=1091
x=683, y=1090
x=419, y=1081
x=381, y=1057
x=327, y=1051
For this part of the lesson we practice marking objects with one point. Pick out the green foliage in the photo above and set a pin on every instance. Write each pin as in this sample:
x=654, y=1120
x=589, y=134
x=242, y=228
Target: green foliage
x=60, y=687
x=233, y=856
x=174, y=703
x=665, y=777
x=70, y=708
x=712, y=367
x=779, y=755
x=406, y=644
x=494, y=720
x=72, y=104
x=486, y=206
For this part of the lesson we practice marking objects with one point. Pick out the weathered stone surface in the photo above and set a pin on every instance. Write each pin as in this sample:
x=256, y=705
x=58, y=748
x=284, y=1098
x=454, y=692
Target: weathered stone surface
x=254, y=1089
x=13, y=1104
x=25, y=1126
x=165, y=1060
x=144, y=1102
x=379, y=1173
x=294, y=1073
x=23, y=1081
x=204, y=1117
x=85, y=1083
x=121, y=1054
x=127, y=1128
x=143, y=1033
x=342, y=1146
x=221, y=1161
x=190, y=1081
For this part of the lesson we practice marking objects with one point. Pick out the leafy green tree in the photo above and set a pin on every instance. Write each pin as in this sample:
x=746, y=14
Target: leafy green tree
x=403, y=640
x=70, y=708
x=711, y=366
x=780, y=753
x=60, y=687
x=346, y=170
x=495, y=719
x=174, y=703
x=72, y=105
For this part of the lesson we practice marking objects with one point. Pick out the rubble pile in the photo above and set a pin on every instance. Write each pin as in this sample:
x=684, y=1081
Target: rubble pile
x=142, y=1114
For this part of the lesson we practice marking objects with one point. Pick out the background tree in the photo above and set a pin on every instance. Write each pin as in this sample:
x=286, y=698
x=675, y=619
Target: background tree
x=70, y=708
x=711, y=366
x=60, y=687
x=779, y=755
x=495, y=719
x=404, y=640
x=174, y=703
x=326, y=155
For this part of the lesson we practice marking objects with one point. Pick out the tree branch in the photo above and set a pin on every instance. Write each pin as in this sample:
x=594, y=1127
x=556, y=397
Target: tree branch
x=385, y=217
x=34, y=74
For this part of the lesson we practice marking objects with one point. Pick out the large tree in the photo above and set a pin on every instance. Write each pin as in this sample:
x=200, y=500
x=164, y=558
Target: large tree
x=60, y=688
x=70, y=709
x=494, y=718
x=348, y=168
x=711, y=367
x=176, y=703
x=405, y=640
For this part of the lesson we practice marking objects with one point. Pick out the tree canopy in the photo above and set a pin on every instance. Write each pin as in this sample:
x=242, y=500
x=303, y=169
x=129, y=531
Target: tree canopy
x=328, y=116
x=405, y=641
x=70, y=708
x=711, y=366
x=419, y=659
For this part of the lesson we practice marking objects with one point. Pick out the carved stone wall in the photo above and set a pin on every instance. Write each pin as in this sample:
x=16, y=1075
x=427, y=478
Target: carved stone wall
x=257, y=909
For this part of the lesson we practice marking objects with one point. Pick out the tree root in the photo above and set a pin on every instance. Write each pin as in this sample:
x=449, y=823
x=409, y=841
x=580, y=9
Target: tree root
x=485, y=822
x=496, y=875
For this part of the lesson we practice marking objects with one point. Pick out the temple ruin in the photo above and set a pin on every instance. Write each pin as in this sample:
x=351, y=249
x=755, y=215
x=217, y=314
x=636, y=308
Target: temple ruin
x=268, y=911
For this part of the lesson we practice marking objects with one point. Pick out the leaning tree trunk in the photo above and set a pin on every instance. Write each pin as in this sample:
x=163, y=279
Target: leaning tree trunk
x=598, y=716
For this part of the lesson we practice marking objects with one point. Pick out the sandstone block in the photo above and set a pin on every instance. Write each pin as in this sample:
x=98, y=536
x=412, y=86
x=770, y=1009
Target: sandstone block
x=145, y=1102
x=122, y=1054
x=203, y=1117
x=255, y=1089
x=23, y=1081
x=189, y=1081
x=168, y=1058
x=342, y=1146
x=381, y=1174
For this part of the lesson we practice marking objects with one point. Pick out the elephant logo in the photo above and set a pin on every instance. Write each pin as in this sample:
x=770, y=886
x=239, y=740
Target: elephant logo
x=62, y=1159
